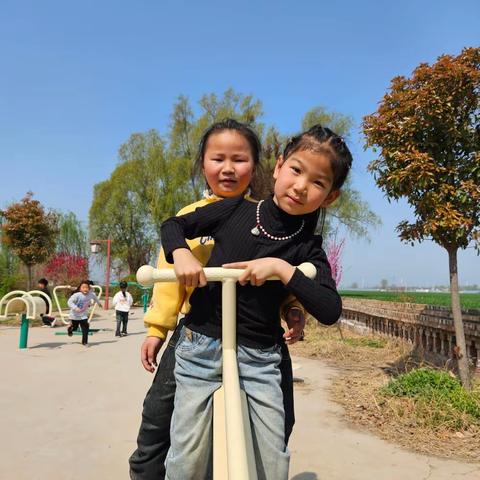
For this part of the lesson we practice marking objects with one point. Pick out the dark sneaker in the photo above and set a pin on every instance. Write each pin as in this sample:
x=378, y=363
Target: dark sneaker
x=70, y=331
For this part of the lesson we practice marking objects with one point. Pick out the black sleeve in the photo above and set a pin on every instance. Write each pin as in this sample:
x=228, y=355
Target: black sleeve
x=201, y=222
x=319, y=296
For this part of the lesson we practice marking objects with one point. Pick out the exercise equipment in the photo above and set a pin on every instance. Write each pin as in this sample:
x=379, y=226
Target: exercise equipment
x=64, y=317
x=29, y=305
x=233, y=456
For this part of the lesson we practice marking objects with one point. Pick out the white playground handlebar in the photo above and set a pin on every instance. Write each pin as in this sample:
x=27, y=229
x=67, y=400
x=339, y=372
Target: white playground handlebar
x=147, y=275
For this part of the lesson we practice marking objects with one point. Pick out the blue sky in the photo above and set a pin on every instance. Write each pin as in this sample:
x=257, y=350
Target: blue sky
x=79, y=77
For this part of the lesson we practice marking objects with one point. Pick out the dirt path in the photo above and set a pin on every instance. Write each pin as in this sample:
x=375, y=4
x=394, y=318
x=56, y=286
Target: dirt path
x=70, y=413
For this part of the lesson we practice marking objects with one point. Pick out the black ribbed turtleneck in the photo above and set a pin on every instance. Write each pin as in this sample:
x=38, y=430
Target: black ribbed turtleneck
x=230, y=222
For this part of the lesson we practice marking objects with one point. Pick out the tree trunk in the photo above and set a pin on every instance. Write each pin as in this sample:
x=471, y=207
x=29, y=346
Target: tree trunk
x=29, y=278
x=461, y=350
x=136, y=257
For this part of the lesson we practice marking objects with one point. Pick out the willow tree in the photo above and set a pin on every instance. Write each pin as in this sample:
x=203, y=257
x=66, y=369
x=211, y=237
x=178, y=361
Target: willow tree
x=427, y=134
x=350, y=210
x=186, y=129
x=120, y=212
x=72, y=236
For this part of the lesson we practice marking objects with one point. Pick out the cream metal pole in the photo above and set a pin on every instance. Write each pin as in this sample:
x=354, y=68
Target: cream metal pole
x=63, y=318
x=240, y=461
x=99, y=296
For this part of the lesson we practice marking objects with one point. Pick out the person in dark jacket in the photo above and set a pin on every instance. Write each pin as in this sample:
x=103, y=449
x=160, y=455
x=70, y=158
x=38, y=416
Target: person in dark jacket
x=42, y=286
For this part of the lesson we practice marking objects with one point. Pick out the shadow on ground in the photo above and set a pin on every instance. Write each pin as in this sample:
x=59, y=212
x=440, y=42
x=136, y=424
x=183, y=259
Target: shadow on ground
x=53, y=345
x=50, y=345
x=305, y=476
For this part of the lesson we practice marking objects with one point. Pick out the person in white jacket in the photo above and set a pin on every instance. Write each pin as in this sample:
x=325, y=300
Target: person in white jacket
x=122, y=301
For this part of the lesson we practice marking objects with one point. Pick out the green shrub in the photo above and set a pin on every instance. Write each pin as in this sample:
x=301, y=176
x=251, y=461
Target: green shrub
x=9, y=270
x=439, y=398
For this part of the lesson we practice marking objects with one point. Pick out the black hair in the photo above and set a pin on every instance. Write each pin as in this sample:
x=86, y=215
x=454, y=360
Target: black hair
x=123, y=284
x=246, y=131
x=84, y=282
x=43, y=281
x=323, y=140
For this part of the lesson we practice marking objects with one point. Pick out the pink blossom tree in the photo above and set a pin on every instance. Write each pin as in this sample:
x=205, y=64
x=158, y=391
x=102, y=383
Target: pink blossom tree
x=334, y=252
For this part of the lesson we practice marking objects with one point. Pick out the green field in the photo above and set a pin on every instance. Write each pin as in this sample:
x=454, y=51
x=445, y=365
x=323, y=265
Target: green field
x=467, y=300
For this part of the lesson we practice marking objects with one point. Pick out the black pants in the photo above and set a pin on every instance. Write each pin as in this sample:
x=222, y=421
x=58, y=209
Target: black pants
x=85, y=328
x=153, y=441
x=46, y=320
x=122, y=318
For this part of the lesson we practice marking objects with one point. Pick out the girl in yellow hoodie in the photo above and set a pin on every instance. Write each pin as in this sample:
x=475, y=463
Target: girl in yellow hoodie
x=228, y=154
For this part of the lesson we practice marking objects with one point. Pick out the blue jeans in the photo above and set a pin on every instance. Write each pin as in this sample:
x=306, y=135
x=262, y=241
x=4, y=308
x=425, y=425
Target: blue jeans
x=148, y=461
x=198, y=373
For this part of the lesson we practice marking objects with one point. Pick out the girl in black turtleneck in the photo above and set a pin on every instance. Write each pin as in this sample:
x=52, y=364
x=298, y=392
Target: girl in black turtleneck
x=265, y=239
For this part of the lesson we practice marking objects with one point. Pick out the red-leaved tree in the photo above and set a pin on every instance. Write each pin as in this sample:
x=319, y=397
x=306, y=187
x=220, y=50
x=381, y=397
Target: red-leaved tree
x=30, y=232
x=426, y=133
x=66, y=269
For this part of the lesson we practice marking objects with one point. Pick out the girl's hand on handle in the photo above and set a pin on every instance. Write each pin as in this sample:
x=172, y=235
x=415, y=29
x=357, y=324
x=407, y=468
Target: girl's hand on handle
x=188, y=269
x=149, y=351
x=258, y=271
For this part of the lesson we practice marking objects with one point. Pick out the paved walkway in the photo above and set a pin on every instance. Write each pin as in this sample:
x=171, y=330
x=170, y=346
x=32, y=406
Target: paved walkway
x=71, y=413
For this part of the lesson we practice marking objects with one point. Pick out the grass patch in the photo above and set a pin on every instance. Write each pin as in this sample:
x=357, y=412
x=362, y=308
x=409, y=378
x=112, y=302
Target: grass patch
x=438, y=400
x=427, y=412
x=467, y=300
x=17, y=321
x=63, y=297
x=346, y=347
x=366, y=342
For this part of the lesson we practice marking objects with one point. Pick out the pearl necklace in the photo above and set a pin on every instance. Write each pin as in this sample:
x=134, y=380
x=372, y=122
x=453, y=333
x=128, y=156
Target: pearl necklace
x=259, y=228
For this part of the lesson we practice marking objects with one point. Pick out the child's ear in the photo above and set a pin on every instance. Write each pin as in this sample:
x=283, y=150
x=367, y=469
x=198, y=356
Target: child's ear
x=331, y=197
x=278, y=165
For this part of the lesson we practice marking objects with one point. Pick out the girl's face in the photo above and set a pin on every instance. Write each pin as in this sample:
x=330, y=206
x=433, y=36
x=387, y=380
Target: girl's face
x=84, y=288
x=228, y=163
x=303, y=182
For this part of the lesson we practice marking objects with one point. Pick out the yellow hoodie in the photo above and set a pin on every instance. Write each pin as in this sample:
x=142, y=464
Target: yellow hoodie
x=170, y=299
